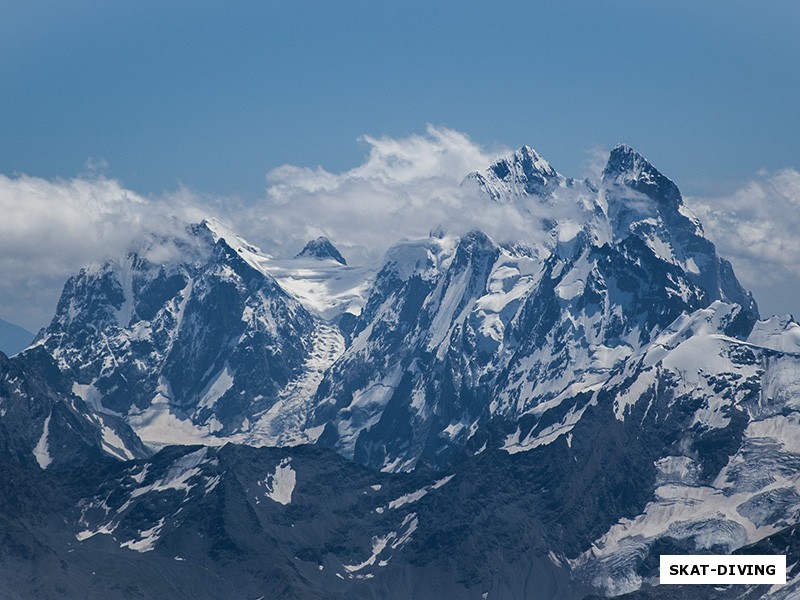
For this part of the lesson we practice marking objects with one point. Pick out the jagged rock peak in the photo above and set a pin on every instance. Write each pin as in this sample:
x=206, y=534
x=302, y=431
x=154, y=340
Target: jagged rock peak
x=525, y=161
x=476, y=241
x=626, y=166
x=321, y=248
x=475, y=247
x=522, y=173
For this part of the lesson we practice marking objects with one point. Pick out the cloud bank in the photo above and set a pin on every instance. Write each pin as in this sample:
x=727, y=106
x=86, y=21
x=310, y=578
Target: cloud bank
x=756, y=228
x=50, y=229
x=404, y=188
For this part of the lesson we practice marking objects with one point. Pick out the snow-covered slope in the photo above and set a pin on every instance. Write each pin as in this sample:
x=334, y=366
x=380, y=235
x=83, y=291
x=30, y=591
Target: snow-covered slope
x=729, y=476
x=324, y=286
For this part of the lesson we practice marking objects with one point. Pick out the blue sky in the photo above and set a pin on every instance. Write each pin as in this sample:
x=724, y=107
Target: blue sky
x=112, y=111
x=212, y=95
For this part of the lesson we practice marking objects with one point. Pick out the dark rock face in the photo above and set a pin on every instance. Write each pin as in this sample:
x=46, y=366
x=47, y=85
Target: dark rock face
x=45, y=426
x=643, y=201
x=300, y=523
x=208, y=333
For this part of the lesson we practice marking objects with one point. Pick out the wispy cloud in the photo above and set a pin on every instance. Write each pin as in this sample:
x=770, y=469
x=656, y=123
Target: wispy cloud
x=756, y=228
x=594, y=162
x=50, y=229
x=404, y=188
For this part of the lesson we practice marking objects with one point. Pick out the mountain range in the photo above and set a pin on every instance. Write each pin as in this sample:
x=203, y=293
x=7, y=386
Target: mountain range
x=467, y=418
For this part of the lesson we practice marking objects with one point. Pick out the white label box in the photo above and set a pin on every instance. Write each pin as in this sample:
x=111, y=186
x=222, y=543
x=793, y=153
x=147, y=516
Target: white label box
x=722, y=569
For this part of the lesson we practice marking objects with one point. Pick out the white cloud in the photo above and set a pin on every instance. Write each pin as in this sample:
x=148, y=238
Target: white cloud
x=594, y=162
x=50, y=229
x=756, y=228
x=405, y=188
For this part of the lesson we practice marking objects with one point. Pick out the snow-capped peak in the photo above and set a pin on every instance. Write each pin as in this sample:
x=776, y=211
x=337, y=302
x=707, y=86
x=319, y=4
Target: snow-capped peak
x=625, y=164
x=322, y=249
x=523, y=173
x=222, y=232
x=525, y=158
x=627, y=167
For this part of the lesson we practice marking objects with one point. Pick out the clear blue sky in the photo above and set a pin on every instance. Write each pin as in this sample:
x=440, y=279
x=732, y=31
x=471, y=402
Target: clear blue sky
x=214, y=94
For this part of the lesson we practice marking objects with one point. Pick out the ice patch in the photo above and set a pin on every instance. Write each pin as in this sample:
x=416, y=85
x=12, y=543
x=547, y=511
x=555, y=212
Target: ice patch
x=391, y=540
x=408, y=498
x=42, y=452
x=107, y=529
x=158, y=426
x=177, y=476
x=114, y=445
x=91, y=395
x=280, y=485
x=217, y=388
x=573, y=284
x=444, y=480
x=547, y=435
x=452, y=430
x=419, y=494
x=139, y=477
x=631, y=395
x=147, y=539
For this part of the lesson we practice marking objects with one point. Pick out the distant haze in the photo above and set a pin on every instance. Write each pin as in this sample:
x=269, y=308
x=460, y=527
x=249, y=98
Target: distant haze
x=13, y=338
